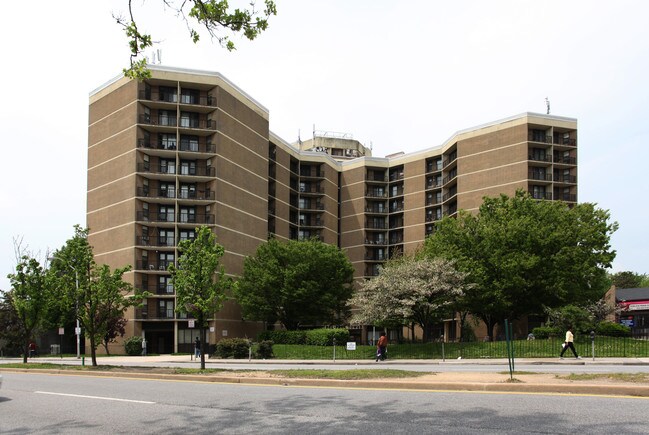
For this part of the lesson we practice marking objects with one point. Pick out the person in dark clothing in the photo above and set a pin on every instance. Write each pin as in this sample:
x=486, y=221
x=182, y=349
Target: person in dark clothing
x=197, y=348
x=381, y=347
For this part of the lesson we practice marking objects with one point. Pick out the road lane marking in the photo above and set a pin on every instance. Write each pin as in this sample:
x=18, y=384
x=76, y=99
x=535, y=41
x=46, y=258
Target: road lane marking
x=94, y=397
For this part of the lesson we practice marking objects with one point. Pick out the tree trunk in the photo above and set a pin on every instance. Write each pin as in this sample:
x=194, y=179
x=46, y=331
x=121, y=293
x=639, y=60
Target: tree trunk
x=25, y=352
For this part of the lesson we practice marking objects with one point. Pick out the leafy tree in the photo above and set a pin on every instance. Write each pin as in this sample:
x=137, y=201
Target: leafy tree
x=214, y=16
x=30, y=298
x=296, y=283
x=10, y=335
x=628, y=279
x=422, y=291
x=98, y=296
x=199, y=280
x=525, y=254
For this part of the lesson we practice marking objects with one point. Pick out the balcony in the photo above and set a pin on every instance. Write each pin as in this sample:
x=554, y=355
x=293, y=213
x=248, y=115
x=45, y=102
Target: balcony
x=542, y=176
x=311, y=190
x=172, y=121
x=396, y=176
x=565, y=160
x=433, y=184
x=541, y=195
x=558, y=139
x=376, y=225
x=450, y=177
x=569, y=179
x=151, y=192
x=312, y=174
x=376, y=194
x=372, y=178
x=396, y=192
x=154, y=265
x=184, y=218
x=163, y=241
x=376, y=210
x=567, y=197
x=376, y=242
x=311, y=223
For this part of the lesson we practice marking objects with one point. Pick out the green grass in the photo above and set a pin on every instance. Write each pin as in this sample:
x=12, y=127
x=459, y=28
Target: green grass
x=347, y=375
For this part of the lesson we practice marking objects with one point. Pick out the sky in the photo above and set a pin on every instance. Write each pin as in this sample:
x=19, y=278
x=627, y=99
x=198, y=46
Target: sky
x=398, y=76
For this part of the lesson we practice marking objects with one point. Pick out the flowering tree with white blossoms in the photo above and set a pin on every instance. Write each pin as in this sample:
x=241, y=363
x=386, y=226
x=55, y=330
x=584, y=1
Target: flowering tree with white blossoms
x=408, y=290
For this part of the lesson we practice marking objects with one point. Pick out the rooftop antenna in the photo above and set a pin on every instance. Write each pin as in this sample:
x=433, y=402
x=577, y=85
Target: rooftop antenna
x=547, y=105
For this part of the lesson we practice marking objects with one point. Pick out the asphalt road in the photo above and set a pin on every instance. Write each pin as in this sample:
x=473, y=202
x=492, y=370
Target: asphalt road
x=48, y=404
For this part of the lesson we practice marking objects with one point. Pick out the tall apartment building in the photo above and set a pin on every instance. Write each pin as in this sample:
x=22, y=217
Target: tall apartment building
x=187, y=148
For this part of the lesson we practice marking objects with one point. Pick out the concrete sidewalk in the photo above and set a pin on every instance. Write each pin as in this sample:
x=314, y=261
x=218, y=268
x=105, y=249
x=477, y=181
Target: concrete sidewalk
x=184, y=359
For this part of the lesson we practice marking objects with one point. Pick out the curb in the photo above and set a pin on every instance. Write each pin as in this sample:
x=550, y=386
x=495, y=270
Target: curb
x=504, y=387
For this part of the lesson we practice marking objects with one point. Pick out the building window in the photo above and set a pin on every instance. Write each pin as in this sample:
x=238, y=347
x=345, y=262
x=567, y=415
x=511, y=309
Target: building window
x=167, y=118
x=168, y=94
x=166, y=213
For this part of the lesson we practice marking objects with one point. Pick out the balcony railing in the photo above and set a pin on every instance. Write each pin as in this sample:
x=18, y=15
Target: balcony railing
x=376, y=225
x=376, y=178
x=557, y=139
x=171, y=218
x=151, y=192
x=153, y=265
x=560, y=178
x=397, y=192
x=155, y=241
x=541, y=195
x=376, y=194
x=396, y=209
x=432, y=184
x=376, y=242
x=568, y=197
x=171, y=121
x=565, y=160
x=544, y=176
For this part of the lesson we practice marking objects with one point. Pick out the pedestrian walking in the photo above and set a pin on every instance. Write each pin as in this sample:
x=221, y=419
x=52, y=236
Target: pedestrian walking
x=382, y=347
x=143, y=346
x=32, y=349
x=569, y=344
x=197, y=348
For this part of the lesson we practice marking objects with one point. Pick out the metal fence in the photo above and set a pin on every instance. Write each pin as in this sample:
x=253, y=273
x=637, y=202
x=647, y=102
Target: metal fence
x=622, y=347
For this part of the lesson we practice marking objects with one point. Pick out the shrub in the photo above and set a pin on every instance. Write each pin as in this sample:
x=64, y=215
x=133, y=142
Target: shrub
x=133, y=345
x=612, y=329
x=546, y=332
x=326, y=336
x=283, y=337
x=265, y=350
x=236, y=348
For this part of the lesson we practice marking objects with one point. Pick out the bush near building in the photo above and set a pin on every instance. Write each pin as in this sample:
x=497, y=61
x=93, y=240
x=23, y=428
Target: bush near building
x=133, y=345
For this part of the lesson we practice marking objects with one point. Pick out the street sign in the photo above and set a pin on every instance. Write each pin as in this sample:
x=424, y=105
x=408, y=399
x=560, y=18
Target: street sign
x=77, y=331
x=61, y=331
x=190, y=323
x=351, y=345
